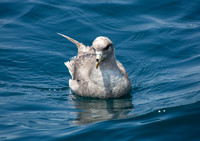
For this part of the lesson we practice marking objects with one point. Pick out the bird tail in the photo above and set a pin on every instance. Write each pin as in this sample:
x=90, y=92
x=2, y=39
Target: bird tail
x=80, y=46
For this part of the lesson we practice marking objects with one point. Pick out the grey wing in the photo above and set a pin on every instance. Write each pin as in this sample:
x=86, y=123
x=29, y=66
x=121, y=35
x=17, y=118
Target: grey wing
x=71, y=67
x=122, y=69
x=80, y=67
x=83, y=67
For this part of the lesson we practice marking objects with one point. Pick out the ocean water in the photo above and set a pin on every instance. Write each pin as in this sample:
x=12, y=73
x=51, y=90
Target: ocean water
x=158, y=42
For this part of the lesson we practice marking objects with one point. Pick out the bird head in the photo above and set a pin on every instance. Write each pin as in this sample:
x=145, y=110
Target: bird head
x=103, y=49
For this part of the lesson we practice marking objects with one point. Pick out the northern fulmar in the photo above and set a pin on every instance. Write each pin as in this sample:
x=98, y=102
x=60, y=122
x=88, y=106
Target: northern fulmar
x=96, y=72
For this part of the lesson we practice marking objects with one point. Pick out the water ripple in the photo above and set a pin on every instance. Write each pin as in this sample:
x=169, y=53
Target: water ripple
x=156, y=41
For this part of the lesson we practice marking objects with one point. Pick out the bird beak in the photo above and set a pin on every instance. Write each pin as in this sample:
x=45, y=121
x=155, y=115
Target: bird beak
x=97, y=64
x=98, y=59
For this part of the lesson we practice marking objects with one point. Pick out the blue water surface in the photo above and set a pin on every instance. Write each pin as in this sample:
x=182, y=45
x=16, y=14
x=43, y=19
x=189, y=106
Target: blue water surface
x=158, y=42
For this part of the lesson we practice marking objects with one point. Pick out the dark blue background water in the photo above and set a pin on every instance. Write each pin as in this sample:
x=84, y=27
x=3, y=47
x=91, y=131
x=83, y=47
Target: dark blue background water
x=158, y=42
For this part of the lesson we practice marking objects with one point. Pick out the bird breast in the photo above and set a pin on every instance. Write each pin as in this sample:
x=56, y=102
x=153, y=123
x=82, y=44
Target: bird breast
x=107, y=79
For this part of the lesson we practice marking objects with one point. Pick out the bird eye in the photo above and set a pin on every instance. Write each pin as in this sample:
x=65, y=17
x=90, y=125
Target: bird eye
x=107, y=47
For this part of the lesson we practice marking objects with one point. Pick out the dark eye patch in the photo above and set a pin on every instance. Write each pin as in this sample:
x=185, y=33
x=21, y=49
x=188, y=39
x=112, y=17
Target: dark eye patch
x=107, y=47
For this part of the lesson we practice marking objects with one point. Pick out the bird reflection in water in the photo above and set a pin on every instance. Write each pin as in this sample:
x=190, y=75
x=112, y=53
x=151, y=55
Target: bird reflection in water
x=93, y=110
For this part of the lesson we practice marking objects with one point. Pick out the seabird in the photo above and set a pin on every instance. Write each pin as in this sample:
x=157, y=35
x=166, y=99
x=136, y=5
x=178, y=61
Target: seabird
x=96, y=72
